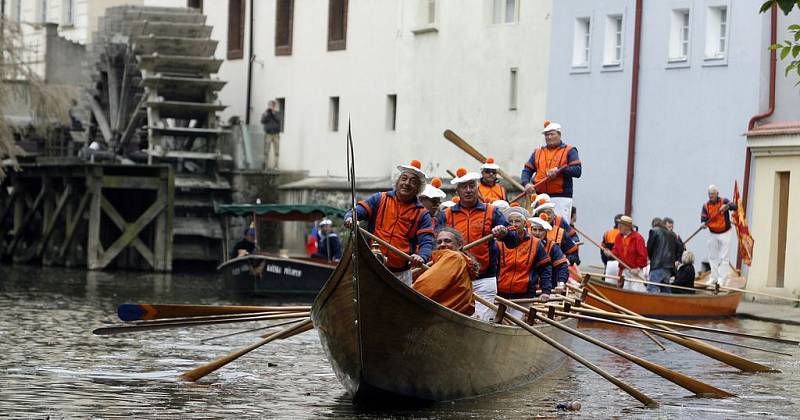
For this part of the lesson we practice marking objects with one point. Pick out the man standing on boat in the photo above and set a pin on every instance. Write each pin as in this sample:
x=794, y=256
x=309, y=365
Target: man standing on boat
x=490, y=187
x=475, y=219
x=558, y=163
x=715, y=217
x=330, y=246
x=662, y=247
x=629, y=247
x=449, y=280
x=525, y=267
x=399, y=218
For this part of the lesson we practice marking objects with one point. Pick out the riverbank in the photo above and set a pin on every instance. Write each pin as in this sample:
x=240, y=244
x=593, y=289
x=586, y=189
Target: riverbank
x=781, y=313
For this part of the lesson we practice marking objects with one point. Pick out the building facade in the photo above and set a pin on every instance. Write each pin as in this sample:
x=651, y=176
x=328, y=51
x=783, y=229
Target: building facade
x=703, y=73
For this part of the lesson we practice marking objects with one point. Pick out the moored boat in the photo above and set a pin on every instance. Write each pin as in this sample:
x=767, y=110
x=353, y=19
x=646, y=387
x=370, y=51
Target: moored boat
x=668, y=305
x=386, y=341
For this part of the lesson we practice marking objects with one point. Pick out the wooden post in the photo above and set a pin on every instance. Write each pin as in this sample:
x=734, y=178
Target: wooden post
x=94, y=249
x=500, y=314
x=159, y=236
x=530, y=319
x=551, y=312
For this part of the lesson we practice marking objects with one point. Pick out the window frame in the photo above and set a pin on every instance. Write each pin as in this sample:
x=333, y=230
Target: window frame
x=68, y=13
x=711, y=54
x=676, y=40
x=236, y=53
x=614, y=31
x=493, y=13
x=337, y=44
x=584, y=22
x=285, y=49
x=391, y=112
x=333, y=113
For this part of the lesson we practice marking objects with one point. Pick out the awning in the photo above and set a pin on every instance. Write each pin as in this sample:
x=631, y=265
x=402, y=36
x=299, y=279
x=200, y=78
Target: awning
x=282, y=212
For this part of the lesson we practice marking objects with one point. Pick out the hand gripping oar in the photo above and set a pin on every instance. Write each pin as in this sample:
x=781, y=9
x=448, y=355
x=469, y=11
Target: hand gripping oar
x=463, y=145
x=684, y=381
x=185, y=324
x=644, y=399
x=713, y=352
x=145, y=311
x=201, y=371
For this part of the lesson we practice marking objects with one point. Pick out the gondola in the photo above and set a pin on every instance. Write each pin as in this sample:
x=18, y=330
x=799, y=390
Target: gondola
x=668, y=305
x=386, y=342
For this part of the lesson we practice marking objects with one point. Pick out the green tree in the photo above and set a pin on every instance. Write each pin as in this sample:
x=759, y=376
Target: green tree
x=791, y=46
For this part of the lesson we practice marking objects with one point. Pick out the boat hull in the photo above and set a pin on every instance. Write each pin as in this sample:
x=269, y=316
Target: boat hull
x=386, y=341
x=664, y=305
x=259, y=275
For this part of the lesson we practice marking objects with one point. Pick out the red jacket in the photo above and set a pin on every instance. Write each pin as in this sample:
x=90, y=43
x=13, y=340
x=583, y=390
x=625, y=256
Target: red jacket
x=631, y=250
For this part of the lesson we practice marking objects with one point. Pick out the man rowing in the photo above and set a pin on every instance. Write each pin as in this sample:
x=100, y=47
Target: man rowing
x=715, y=217
x=475, y=219
x=558, y=262
x=561, y=230
x=523, y=268
x=398, y=218
x=449, y=280
x=557, y=163
x=490, y=187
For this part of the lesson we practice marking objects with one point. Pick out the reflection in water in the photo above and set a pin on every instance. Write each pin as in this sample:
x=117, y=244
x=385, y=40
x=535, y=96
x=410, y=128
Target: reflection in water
x=52, y=365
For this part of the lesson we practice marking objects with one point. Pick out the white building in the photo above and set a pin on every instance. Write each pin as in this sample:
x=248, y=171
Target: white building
x=403, y=71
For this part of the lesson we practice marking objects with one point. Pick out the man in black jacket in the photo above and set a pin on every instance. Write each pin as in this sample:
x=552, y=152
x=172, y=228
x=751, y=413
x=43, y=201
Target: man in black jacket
x=662, y=246
x=271, y=120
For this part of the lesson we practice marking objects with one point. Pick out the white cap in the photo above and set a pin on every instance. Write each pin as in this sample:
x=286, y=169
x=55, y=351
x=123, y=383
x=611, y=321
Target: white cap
x=432, y=192
x=544, y=206
x=540, y=222
x=516, y=210
x=469, y=176
x=490, y=164
x=500, y=204
x=413, y=169
x=446, y=204
x=324, y=222
x=552, y=127
x=94, y=145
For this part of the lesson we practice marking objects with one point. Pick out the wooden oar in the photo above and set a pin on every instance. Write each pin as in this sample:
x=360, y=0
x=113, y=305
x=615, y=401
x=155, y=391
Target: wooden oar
x=651, y=329
x=644, y=399
x=186, y=324
x=750, y=292
x=684, y=381
x=146, y=311
x=250, y=330
x=723, y=356
x=672, y=286
x=604, y=249
x=201, y=371
x=449, y=172
x=702, y=225
x=486, y=238
x=201, y=318
x=463, y=145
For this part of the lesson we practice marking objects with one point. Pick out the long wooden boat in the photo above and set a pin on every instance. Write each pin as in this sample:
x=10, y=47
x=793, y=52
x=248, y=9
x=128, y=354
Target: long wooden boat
x=666, y=305
x=268, y=274
x=385, y=341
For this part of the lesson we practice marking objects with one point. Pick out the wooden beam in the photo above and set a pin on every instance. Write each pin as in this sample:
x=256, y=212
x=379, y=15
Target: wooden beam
x=93, y=246
x=102, y=120
x=118, y=220
x=51, y=223
x=112, y=76
x=131, y=231
x=72, y=225
x=7, y=209
x=27, y=219
x=131, y=182
x=132, y=123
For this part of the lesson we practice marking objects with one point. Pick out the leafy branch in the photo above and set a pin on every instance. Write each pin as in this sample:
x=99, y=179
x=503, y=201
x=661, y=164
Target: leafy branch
x=790, y=46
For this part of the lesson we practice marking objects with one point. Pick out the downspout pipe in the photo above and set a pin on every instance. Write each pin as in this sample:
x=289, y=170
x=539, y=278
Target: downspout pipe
x=773, y=60
x=250, y=59
x=637, y=41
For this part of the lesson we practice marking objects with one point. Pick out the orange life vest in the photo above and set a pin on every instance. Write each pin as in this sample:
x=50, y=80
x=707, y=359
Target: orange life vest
x=491, y=193
x=396, y=223
x=717, y=222
x=609, y=237
x=516, y=265
x=473, y=224
x=556, y=234
x=546, y=159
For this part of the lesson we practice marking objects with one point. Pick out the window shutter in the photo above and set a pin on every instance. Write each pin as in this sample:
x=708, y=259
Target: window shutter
x=236, y=18
x=284, y=20
x=337, y=25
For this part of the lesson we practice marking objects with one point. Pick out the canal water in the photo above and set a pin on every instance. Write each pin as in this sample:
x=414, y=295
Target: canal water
x=52, y=365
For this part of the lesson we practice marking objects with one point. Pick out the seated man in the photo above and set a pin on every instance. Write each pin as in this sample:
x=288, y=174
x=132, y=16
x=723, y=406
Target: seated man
x=246, y=245
x=330, y=246
x=449, y=280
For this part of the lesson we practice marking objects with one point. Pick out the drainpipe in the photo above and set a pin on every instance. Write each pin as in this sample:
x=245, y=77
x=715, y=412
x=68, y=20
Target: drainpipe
x=250, y=59
x=637, y=41
x=773, y=39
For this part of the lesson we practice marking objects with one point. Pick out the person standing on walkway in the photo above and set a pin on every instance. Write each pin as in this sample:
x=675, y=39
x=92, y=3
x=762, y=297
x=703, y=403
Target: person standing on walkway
x=662, y=247
x=272, y=121
x=557, y=163
x=716, y=218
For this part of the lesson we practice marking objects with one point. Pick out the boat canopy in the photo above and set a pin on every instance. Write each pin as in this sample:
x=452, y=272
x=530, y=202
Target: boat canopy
x=282, y=212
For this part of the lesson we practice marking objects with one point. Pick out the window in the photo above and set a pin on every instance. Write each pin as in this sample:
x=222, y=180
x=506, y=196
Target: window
x=284, y=17
x=581, y=43
x=679, y=35
x=333, y=114
x=195, y=4
x=391, y=112
x=18, y=10
x=42, y=11
x=612, y=53
x=337, y=25
x=512, y=83
x=282, y=109
x=429, y=12
x=505, y=11
x=716, y=32
x=68, y=12
x=236, y=18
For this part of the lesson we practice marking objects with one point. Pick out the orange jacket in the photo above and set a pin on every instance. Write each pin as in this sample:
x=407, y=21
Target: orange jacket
x=717, y=221
x=545, y=158
x=491, y=193
x=523, y=267
x=449, y=281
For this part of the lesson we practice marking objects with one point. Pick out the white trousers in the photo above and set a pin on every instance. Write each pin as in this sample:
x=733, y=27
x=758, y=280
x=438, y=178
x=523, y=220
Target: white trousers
x=563, y=207
x=632, y=285
x=612, y=269
x=405, y=277
x=719, y=245
x=487, y=289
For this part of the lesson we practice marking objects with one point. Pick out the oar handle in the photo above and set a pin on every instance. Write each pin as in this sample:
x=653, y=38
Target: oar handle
x=702, y=225
x=486, y=238
x=388, y=246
